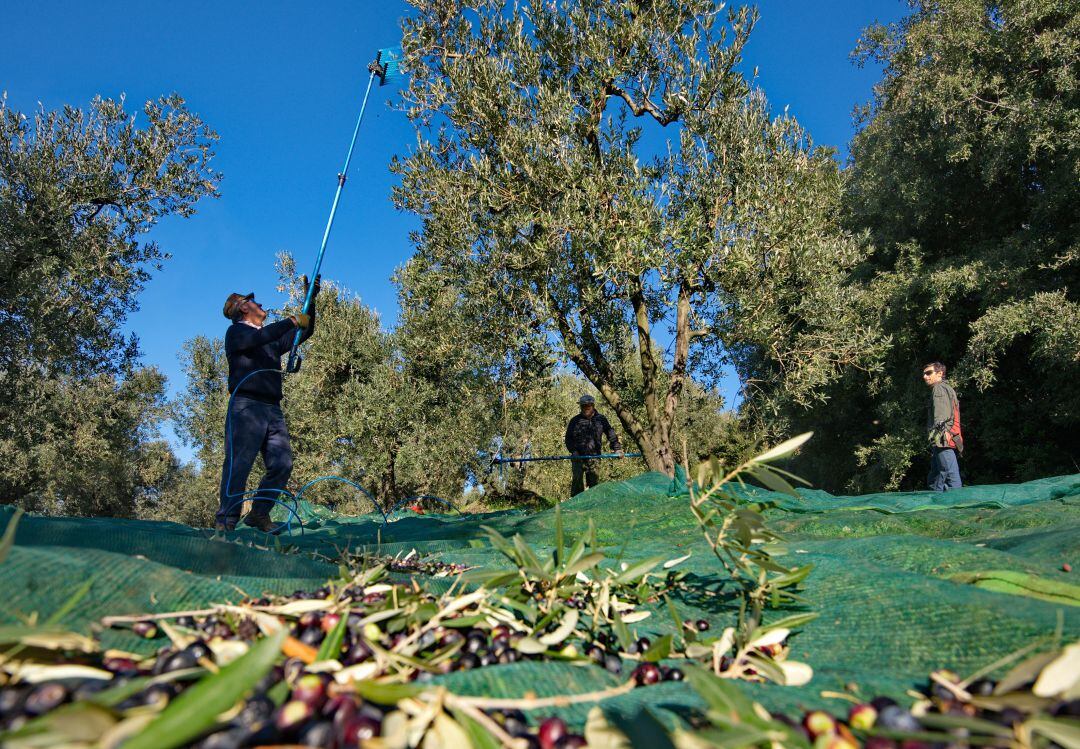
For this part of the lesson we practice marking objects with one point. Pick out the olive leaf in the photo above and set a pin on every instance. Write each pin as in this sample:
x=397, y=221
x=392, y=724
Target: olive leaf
x=197, y=708
x=1062, y=731
x=9, y=534
x=1061, y=674
x=659, y=650
x=49, y=638
x=479, y=737
x=68, y=724
x=564, y=630
x=331, y=646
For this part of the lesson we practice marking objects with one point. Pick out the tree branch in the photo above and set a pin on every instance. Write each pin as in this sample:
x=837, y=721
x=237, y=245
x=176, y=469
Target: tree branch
x=664, y=116
x=648, y=361
x=604, y=384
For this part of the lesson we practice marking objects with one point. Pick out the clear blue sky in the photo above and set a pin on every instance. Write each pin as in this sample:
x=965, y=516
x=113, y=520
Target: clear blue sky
x=281, y=82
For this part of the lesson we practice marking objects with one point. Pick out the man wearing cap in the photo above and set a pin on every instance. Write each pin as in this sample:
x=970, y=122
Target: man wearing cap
x=943, y=430
x=254, y=423
x=584, y=436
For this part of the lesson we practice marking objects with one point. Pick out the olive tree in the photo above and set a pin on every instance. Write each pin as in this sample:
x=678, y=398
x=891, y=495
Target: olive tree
x=79, y=190
x=964, y=175
x=598, y=177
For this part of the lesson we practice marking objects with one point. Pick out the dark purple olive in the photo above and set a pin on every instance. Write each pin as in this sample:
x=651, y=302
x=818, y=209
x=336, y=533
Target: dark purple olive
x=313, y=636
x=340, y=706
x=200, y=650
x=121, y=666
x=468, y=661
x=247, y=629
x=147, y=630
x=318, y=734
x=293, y=669
x=12, y=699
x=310, y=689
x=674, y=674
x=647, y=673
x=358, y=653
x=292, y=715
x=896, y=718
x=256, y=712
x=880, y=703
x=158, y=694
x=551, y=731
x=1070, y=709
x=613, y=663
x=450, y=637
x=231, y=738
x=179, y=661
x=45, y=697
x=499, y=644
x=359, y=729
x=702, y=625
x=276, y=674
x=371, y=710
x=474, y=642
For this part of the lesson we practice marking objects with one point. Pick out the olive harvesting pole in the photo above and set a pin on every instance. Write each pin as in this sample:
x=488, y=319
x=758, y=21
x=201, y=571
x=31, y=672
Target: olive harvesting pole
x=376, y=68
x=496, y=461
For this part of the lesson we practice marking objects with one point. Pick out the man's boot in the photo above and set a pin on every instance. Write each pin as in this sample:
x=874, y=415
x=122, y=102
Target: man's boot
x=262, y=523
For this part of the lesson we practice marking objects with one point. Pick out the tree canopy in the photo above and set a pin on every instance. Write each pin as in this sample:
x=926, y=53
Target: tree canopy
x=79, y=189
x=964, y=174
x=559, y=216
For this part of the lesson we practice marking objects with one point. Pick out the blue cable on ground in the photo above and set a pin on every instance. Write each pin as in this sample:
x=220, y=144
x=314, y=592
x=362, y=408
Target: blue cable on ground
x=293, y=510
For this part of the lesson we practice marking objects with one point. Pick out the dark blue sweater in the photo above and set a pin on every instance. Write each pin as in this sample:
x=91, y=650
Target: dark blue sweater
x=249, y=349
x=585, y=436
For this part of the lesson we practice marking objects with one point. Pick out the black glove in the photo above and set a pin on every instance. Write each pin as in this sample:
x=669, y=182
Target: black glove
x=318, y=286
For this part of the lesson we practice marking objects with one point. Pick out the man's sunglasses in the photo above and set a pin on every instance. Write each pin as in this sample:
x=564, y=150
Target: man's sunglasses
x=928, y=372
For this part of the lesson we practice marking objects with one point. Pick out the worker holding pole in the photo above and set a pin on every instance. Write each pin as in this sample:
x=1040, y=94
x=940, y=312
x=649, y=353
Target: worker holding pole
x=254, y=423
x=584, y=437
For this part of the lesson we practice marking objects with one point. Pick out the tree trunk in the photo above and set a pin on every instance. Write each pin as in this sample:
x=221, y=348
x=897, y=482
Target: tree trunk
x=388, y=488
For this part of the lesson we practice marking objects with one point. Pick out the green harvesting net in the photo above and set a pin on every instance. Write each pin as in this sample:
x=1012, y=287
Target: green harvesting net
x=904, y=583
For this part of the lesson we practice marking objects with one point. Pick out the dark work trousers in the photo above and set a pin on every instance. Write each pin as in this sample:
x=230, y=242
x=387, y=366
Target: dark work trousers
x=253, y=427
x=585, y=475
x=944, y=470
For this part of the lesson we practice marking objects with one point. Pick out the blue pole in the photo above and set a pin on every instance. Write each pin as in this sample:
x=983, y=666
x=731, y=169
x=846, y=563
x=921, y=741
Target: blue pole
x=500, y=461
x=376, y=68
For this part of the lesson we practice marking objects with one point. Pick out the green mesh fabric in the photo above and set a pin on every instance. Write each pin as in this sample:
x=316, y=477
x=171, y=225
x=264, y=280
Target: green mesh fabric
x=905, y=583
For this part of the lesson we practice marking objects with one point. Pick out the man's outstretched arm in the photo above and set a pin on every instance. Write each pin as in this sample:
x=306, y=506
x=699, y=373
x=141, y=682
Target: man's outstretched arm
x=243, y=338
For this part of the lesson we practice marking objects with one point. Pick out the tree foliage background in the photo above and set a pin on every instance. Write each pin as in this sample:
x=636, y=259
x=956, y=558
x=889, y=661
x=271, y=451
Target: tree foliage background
x=79, y=189
x=558, y=224
x=610, y=207
x=965, y=177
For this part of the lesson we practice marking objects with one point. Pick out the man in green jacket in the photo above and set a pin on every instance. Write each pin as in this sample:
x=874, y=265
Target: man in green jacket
x=943, y=430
